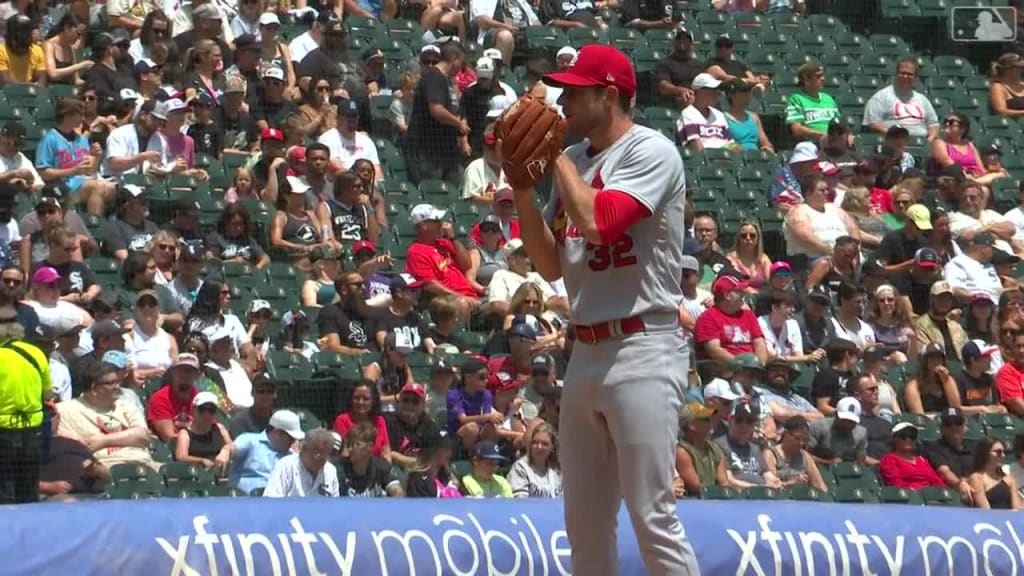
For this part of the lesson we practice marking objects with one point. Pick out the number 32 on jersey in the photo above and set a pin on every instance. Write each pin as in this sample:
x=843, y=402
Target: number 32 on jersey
x=618, y=254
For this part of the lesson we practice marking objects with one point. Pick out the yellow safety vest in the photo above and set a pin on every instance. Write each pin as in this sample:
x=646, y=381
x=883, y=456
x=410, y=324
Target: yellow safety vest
x=24, y=380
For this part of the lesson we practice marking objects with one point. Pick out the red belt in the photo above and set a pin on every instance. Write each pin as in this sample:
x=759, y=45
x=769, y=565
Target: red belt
x=610, y=329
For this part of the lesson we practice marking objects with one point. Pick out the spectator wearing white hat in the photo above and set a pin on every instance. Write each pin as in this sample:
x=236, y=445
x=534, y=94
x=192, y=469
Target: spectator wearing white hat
x=786, y=189
x=205, y=441
x=256, y=453
x=484, y=100
x=701, y=124
x=268, y=104
x=224, y=361
x=839, y=438
x=296, y=229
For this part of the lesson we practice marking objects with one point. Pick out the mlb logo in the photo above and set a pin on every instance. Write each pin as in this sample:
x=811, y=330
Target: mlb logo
x=977, y=24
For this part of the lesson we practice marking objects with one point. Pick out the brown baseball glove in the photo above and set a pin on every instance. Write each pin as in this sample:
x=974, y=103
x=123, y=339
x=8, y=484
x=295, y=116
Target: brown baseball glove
x=531, y=135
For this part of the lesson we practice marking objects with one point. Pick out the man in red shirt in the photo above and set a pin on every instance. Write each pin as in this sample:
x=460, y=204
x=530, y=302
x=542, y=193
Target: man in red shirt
x=904, y=467
x=729, y=328
x=438, y=260
x=504, y=211
x=170, y=408
x=1010, y=378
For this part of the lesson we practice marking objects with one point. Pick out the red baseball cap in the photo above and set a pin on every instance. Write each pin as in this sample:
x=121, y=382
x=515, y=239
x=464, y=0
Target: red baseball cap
x=501, y=381
x=727, y=284
x=414, y=388
x=598, y=65
x=363, y=245
x=297, y=154
x=272, y=134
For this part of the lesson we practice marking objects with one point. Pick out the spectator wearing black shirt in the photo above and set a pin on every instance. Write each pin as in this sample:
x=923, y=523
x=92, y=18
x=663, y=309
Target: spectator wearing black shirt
x=246, y=60
x=254, y=419
x=829, y=385
x=77, y=281
x=332, y=62
x=361, y=474
x=835, y=147
x=898, y=247
x=475, y=103
x=208, y=137
x=267, y=104
x=105, y=77
x=206, y=25
x=238, y=129
x=436, y=139
x=185, y=221
x=675, y=73
x=401, y=317
x=864, y=388
x=410, y=430
x=916, y=282
x=951, y=455
x=272, y=162
x=725, y=67
x=130, y=230
x=978, y=391
x=647, y=14
x=344, y=325
x=815, y=327
x=569, y=14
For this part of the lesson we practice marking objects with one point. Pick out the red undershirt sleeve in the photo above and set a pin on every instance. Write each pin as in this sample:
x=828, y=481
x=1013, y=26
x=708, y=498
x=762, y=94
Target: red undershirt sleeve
x=615, y=212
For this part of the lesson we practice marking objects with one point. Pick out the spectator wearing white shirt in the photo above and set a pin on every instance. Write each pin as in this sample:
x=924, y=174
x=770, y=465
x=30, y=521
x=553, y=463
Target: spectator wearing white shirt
x=973, y=272
x=900, y=104
x=310, y=40
x=308, y=473
x=123, y=154
x=782, y=334
x=972, y=218
x=847, y=321
x=348, y=145
x=54, y=313
x=223, y=360
x=484, y=176
x=1016, y=215
x=15, y=167
x=702, y=125
x=504, y=283
x=695, y=302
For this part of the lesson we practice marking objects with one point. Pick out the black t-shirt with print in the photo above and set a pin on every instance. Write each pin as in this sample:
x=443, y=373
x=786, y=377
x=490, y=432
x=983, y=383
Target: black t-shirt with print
x=121, y=235
x=209, y=139
x=409, y=440
x=976, y=391
x=896, y=247
x=411, y=325
x=581, y=11
x=225, y=249
x=830, y=383
x=373, y=484
x=351, y=329
x=434, y=88
x=918, y=292
x=238, y=132
x=74, y=276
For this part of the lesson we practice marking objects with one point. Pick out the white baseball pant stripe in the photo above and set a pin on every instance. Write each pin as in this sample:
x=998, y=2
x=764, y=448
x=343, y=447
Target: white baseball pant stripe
x=618, y=428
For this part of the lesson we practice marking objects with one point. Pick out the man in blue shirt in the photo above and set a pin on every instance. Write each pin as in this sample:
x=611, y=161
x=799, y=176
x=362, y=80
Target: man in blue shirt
x=64, y=156
x=256, y=454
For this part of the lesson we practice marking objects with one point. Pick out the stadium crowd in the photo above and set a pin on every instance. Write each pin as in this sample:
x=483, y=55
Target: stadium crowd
x=207, y=253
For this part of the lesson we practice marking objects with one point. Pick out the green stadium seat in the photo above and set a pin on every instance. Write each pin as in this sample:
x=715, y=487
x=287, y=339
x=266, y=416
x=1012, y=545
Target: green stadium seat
x=719, y=493
x=580, y=37
x=940, y=497
x=138, y=477
x=777, y=42
x=876, y=64
x=226, y=492
x=545, y=38
x=438, y=191
x=624, y=38
x=894, y=495
x=345, y=367
x=404, y=30
x=866, y=84
x=256, y=492
x=186, y=476
x=184, y=492
x=953, y=66
x=762, y=493
x=888, y=45
x=461, y=468
x=824, y=23
x=851, y=43
x=160, y=451
x=806, y=493
x=855, y=495
x=282, y=359
x=126, y=493
x=934, y=8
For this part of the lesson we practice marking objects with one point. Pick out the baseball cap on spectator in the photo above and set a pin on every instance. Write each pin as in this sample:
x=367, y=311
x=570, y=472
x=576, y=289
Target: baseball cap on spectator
x=719, y=388
x=234, y=85
x=542, y=363
x=405, y=281
x=991, y=150
x=271, y=134
x=512, y=246
x=781, y=363
x=206, y=12
x=269, y=19
x=951, y=416
x=203, y=399
x=931, y=349
x=372, y=54
x=837, y=127
x=598, y=65
x=705, y=81
x=192, y=252
x=13, y=129
x=129, y=95
x=492, y=53
x=828, y=168
x=258, y=305
x=474, y=364
x=247, y=43
x=1000, y=257
x=820, y=295
x=746, y=362
x=523, y=329
x=940, y=287
x=872, y=267
x=297, y=185
x=484, y=68
x=682, y=32
x=186, y=360
x=780, y=268
x=151, y=294
x=48, y=201
x=983, y=297
x=490, y=221
x=296, y=154
x=274, y=73
x=919, y=216
x=488, y=450
x=690, y=263
x=504, y=195
x=398, y=342
x=725, y=284
x=105, y=303
x=723, y=41
x=983, y=239
x=804, y=152
x=443, y=367
x=497, y=106
x=45, y=275
x=426, y=212
x=430, y=52
x=415, y=389
x=695, y=411
x=116, y=358
x=287, y=422
x=976, y=349
x=202, y=99
x=216, y=333
x=905, y=430
x=106, y=329
x=848, y=409
x=363, y=245
x=745, y=412
x=348, y=108
x=502, y=381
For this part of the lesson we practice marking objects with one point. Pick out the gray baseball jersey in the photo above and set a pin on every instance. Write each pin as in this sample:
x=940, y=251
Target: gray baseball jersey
x=641, y=271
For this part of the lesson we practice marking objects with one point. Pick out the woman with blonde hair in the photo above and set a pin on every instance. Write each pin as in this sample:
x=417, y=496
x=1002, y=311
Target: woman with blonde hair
x=400, y=111
x=204, y=64
x=163, y=248
x=1006, y=90
x=748, y=255
x=857, y=204
x=318, y=290
x=538, y=474
x=529, y=299
x=890, y=317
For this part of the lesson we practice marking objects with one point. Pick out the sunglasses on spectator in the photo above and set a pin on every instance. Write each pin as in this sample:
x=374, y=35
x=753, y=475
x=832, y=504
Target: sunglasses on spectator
x=18, y=282
x=207, y=409
x=749, y=235
x=166, y=247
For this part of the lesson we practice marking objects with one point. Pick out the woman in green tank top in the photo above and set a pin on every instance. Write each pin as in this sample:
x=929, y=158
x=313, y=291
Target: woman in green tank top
x=699, y=462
